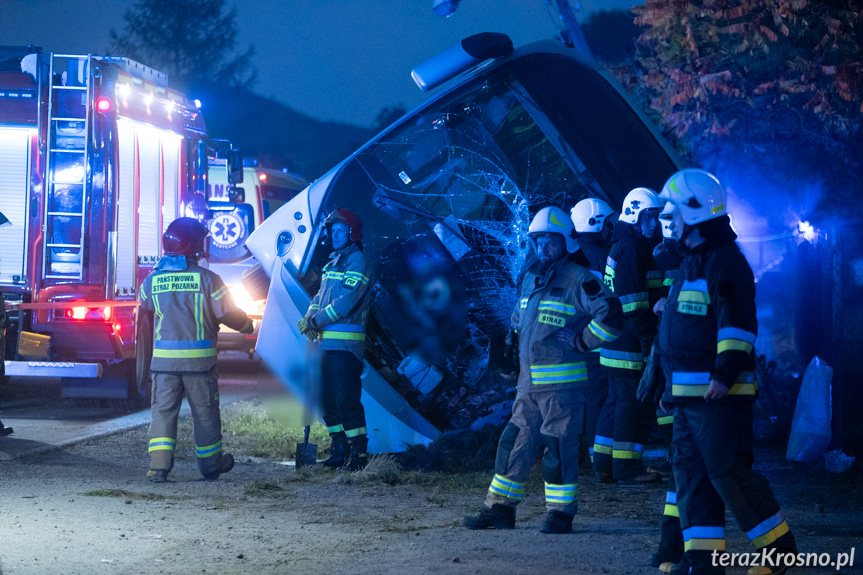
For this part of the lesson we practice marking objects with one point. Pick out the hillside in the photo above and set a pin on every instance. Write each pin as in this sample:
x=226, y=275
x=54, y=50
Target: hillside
x=278, y=135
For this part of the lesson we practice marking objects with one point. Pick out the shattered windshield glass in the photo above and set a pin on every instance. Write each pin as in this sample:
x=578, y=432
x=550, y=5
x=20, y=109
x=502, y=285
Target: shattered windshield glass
x=445, y=199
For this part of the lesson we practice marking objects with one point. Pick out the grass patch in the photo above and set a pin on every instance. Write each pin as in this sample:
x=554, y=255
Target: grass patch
x=119, y=493
x=263, y=488
x=271, y=430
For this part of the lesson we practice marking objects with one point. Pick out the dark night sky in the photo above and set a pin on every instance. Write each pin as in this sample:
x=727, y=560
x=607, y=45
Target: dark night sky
x=337, y=60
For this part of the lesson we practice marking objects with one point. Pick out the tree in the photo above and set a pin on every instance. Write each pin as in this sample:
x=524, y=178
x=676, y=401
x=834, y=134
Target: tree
x=778, y=81
x=192, y=41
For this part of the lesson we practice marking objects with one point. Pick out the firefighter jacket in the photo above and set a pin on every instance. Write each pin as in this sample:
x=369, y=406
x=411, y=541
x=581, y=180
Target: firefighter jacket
x=340, y=308
x=566, y=295
x=595, y=250
x=708, y=328
x=188, y=303
x=632, y=274
x=668, y=259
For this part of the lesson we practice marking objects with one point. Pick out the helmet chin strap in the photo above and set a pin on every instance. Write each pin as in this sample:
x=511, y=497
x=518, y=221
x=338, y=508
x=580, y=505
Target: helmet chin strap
x=687, y=229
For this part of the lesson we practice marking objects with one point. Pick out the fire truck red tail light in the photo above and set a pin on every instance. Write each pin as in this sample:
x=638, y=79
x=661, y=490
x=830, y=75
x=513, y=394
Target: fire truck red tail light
x=89, y=313
x=104, y=104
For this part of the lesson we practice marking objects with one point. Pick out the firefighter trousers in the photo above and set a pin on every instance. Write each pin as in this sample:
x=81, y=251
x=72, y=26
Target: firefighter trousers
x=671, y=537
x=202, y=392
x=341, y=391
x=547, y=420
x=595, y=398
x=712, y=464
x=622, y=430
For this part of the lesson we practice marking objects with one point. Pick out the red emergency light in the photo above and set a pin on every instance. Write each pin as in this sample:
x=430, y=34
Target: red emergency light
x=104, y=104
x=85, y=313
x=262, y=177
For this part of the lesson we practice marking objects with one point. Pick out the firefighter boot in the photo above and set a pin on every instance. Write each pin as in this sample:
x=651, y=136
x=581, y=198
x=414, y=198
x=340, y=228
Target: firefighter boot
x=498, y=517
x=357, y=459
x=338, y=450
x=157, y=476
x=225, y=465
x=557, y=522
x=695, y=563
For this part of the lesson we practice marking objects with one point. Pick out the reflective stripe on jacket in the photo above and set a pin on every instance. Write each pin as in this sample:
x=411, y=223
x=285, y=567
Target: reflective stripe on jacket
x=709, y=327
x=187, y=305
x=565, y=296
x=341, y=306
x=632, y=274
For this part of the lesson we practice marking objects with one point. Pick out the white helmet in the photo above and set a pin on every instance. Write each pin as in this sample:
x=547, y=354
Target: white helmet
x=698, y=193
x=554, y=220
x=589, y=215
x=637, y=201
x=665, y=219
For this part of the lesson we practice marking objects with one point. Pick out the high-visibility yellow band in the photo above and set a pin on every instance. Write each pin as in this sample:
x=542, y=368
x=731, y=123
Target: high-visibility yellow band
x=343, y=335
x=356, y=432
x=184, y=353
x=621, y=363
x=500, y=485
x=704, y=545
x=771, y=536
x=733, y=344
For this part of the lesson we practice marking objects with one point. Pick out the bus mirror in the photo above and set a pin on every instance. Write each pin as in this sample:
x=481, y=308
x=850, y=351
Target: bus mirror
x=236, y=195
x=234, y=165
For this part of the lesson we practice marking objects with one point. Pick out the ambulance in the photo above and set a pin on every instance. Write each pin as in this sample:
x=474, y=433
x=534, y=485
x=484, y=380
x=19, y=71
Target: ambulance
x=236, y=211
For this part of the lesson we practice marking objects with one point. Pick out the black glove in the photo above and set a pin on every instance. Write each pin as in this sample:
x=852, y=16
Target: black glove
x=249, y=328
x=652, y=384
x=510, y=350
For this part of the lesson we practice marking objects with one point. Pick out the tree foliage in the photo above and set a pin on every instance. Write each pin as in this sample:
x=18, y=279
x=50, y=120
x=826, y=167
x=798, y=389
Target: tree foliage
x=778, y=75
x=193, y=41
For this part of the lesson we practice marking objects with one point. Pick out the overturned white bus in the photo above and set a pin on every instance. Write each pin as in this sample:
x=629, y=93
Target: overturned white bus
x=446, y=195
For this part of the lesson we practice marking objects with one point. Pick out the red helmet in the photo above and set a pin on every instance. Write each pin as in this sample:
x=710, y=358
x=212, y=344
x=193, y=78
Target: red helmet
x=345, y=216
x=185, y=237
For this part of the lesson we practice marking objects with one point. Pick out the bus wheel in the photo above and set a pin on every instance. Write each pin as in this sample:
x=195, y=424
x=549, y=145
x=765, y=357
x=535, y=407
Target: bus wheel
x=140, y=389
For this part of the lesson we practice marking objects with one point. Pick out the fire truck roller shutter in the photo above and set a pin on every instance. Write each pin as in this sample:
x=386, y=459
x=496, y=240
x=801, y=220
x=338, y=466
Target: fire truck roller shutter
x=14, y=177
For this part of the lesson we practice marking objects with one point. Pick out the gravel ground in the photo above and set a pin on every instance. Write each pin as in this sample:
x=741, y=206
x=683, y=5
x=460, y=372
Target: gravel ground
x=88, y=509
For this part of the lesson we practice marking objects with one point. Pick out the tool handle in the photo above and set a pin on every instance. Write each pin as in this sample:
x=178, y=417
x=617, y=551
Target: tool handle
x=306, y=434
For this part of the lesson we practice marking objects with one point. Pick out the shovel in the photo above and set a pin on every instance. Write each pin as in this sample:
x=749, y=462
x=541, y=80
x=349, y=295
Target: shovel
x=307, y=454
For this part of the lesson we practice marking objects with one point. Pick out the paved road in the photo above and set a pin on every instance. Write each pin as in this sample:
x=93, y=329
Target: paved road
x=42, y=420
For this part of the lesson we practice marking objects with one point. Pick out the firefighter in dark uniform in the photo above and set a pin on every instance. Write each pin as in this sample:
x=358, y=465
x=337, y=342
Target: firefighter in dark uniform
x=632, y=274
x=563, y=312
x=594, y=221
x=3, y=429
x=668, y=259
x=187, y=303
x=706, y=350
x=337, y=319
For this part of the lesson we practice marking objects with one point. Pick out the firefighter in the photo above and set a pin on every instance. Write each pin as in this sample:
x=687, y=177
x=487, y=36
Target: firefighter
x=3, y=429
x=336, y=318
x=187, y=303
x=668, y=259
x=594, y=220
x=632, y=274
x=706, y=343
x=563, y=312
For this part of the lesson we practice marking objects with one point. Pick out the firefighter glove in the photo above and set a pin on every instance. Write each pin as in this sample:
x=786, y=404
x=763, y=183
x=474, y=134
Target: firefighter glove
x=652, y=384
x=510, y=350
x=248, y=328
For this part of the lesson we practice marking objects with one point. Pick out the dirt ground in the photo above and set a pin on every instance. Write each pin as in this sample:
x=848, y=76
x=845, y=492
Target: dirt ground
x=88, y=509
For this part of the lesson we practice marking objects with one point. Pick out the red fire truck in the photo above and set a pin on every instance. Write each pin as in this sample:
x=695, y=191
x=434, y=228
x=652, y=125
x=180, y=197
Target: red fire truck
x=97, y=157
